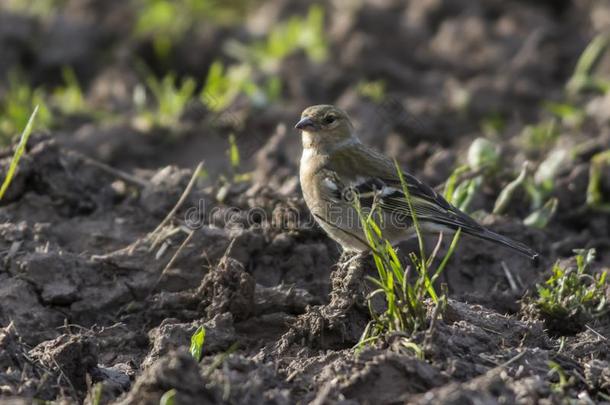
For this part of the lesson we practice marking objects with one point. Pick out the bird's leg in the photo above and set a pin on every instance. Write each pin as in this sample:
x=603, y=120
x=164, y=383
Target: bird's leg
x=342, y=257
x=352, y=257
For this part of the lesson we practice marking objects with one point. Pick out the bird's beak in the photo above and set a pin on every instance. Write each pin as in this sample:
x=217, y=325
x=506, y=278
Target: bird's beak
x=306, y=124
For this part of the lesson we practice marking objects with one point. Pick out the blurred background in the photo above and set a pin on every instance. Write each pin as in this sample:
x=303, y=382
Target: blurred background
x=146, y=83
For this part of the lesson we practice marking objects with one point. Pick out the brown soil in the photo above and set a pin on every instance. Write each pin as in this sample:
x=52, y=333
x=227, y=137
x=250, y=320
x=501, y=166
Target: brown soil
x=88, y=301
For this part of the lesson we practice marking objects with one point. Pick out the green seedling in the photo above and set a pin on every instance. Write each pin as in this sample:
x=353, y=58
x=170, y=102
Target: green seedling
x=600, y=167
x=298, y=33
x=161, y=20
x=374, y=90
x=483, y=155
x=223, y=85
x=34, y=8
x=233, y=152
x=483, y=160
x=568, y=114
x=405, y=309
x=167, y=22
x=255, y=74
x=573, y=293
x=452, y=182
x=17, y=105
x=564, y=382
x=540, y=185
x=168, y=397
x=197, y=340
x=465, y=192
x=540, y=136
x=583, y=79
x=25, y=135
x=493, y=124
x=69, y=99
x=235, y=163
x=170, y=98
x=541, y=217
x=506, y=195
x=547, y=171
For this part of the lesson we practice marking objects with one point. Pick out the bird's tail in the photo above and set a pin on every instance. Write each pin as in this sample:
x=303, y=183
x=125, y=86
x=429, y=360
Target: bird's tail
x=519, y=247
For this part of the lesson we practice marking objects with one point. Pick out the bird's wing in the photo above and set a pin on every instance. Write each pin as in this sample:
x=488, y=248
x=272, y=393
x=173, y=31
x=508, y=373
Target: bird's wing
x=388, y=196
x=374, y=179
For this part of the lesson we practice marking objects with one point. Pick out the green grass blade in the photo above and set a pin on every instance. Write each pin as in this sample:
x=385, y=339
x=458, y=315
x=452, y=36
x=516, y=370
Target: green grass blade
x=451, y=183
x=405, y=190
x=20, y=149
x=441, y=267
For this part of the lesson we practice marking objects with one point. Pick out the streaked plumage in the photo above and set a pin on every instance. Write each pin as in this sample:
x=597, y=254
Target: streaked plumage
x=336, y=167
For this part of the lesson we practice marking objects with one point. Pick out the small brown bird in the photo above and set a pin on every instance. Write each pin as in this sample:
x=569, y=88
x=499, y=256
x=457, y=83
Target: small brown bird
x=336, y=168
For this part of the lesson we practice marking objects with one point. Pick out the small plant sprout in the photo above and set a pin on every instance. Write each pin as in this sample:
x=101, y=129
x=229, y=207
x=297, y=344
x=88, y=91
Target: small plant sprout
x=373, y=90
x=483, y=154
x=235, y=161
x=17, y=105
x=464, y=193
x=234, y=157
x=25, y=135
x=572, y=293
x=452, y=182
x=405, y=310
x=166, y=22
x=168, y=397
x=541, y=217
x=583, y=79
x=600, y=166
x=69, y=98
x=541, y=136
x=506, y=195
x=563, y=381
x=569, y=114
x=43, y=9
x=493, y=124
x=538, y=186
x=483, y=159
x=298, y=33
x=223, y=86
x=171, y=99
x=197, y=340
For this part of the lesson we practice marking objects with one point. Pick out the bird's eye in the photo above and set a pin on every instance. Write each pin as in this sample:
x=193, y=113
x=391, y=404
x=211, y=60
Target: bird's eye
x=329, y=119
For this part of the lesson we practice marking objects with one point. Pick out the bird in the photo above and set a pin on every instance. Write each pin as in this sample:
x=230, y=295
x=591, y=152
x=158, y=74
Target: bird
x=337, y=170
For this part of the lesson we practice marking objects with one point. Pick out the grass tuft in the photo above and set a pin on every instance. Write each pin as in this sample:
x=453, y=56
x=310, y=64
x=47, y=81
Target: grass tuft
x=171, y=97
x=572, y=294
x=405, y=297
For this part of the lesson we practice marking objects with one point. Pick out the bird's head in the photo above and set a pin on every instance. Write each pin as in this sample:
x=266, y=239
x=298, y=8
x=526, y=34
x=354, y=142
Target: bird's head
x=324, y=127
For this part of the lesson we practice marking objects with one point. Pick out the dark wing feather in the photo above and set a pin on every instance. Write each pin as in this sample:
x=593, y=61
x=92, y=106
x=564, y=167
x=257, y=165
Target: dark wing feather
x=429, y=206
x=373, y=174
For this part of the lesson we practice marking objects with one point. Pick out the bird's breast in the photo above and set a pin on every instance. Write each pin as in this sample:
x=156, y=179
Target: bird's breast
x=310, y=176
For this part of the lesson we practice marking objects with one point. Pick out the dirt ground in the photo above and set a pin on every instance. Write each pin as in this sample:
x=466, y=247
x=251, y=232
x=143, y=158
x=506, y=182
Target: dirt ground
x=96, y=309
